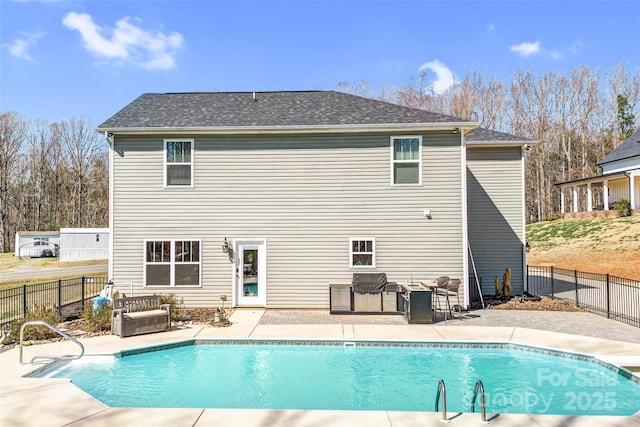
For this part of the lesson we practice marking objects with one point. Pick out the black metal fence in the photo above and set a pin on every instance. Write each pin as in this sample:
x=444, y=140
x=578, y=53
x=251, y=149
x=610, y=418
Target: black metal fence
x=68, y=296
x=611, y=296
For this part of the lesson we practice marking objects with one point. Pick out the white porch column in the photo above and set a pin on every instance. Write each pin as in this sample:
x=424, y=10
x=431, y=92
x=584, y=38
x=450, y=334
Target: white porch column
x=589, y=198
x=561, y=200
x=575, y=198
x=632, y=191
x=605, y=194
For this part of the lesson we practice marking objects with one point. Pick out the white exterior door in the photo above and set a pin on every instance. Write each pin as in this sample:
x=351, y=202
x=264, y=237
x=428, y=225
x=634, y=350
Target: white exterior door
x=250, y=267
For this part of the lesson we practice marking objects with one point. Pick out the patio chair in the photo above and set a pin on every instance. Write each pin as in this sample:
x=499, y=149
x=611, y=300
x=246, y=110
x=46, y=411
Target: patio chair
x=450, y=288
x=439, y=290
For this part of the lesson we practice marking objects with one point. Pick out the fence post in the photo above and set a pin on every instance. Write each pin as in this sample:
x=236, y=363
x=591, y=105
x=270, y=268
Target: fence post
x=82, y=294
x=575, y=280
x=59, y=297
x=24, y=300
x=552, y=284
x=526, y=284
x=608, y=299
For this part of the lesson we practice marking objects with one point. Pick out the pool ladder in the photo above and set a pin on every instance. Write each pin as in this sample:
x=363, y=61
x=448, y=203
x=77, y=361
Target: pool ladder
x=483, y=407
x=53, y=328
x=442, y=389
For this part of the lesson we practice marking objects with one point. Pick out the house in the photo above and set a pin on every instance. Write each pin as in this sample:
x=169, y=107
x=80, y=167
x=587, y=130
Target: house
x=620, y=178
x=268, y=197
x=37, y=243
x=83, y=244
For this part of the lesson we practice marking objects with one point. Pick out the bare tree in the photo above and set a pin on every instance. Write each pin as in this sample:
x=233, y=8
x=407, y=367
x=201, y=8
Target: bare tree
x=79, y=143
x=12, y=133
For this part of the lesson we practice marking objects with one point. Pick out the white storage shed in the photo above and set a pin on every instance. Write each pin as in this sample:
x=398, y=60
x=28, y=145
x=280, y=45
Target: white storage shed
x=82, y=244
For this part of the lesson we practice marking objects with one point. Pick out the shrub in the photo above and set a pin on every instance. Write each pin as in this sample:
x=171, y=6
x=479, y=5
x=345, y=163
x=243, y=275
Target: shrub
x=97, y=321
x=623, y=206
x=34, y=333
x=177, y=305
x=552, y=218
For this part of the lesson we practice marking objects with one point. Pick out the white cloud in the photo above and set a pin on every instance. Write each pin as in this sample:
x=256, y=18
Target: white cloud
x=444, y=76
x=526, y=48
x=556, y=54
x=127, y=42
x=18, y=47
x=575, y=47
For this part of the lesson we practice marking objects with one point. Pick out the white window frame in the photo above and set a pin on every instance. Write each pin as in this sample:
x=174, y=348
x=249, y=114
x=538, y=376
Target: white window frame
x=166, y=164
x=373, y=252
x=394, y=161
x=172, y=263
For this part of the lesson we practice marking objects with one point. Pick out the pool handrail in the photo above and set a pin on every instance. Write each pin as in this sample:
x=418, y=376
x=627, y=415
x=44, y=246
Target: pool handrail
x=53, y=328
x=443, y=388
x=483, y=407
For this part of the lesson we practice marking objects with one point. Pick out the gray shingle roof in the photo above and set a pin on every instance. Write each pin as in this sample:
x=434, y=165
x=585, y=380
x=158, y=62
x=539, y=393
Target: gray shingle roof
x=629, y=148
x=231, y=109
x=486, y=135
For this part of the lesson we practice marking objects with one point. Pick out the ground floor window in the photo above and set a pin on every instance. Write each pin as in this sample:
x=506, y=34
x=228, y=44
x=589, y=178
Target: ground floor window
x=172, y=262
x=362, y=252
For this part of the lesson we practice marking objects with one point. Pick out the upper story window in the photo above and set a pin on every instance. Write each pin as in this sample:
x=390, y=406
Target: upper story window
x=406, y=160
x=178, y=162
x=362, y=252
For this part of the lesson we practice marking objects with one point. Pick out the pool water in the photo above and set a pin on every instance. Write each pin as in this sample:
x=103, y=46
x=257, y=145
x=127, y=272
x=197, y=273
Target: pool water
x=362, y=377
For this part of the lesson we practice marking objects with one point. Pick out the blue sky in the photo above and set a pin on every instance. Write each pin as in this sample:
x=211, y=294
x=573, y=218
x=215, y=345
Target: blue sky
x=70, y=59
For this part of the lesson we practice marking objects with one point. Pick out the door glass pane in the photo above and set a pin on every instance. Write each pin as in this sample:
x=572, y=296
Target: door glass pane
x=250, y=272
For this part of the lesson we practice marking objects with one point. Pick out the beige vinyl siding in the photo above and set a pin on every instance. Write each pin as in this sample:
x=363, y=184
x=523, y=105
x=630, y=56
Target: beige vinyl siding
x=495, y=201
x=306, y=195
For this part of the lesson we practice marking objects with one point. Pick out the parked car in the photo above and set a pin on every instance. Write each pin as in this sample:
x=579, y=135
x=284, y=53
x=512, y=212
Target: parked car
x=47, y=253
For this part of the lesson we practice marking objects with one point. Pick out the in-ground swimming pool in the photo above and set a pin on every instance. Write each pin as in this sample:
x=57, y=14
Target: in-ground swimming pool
x=366, y=376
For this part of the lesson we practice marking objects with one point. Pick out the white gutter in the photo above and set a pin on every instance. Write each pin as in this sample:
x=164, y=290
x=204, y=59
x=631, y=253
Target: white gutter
x=500, y=144
x=297, y=129
x=525, y=285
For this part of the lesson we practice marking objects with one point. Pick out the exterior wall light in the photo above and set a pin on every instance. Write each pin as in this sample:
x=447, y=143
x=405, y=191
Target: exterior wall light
x=225, y=246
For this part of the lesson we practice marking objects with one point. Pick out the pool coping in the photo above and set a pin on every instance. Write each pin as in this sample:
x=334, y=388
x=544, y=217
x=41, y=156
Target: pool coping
x=27, y=401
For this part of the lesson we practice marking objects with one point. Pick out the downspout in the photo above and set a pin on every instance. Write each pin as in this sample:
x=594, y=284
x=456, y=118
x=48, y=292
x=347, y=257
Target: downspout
x=524, y=219
x=111, y=142
x=465, y=224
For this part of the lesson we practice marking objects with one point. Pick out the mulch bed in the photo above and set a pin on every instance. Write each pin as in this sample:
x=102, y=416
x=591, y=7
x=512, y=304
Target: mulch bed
x=527, y=303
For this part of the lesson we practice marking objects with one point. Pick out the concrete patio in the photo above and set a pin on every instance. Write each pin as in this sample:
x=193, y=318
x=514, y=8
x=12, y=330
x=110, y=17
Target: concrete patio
x=57, y=402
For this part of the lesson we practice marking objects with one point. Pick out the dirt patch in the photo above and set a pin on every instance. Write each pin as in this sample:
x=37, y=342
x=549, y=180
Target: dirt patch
x=596, y=246
x=589, y=260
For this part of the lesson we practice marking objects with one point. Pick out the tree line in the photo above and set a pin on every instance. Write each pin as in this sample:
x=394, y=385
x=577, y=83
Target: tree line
x=55, y=175
x=52, y=175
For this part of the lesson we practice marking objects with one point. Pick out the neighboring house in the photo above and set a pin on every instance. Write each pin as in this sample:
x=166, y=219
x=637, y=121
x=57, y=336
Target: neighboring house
x=620, y=178
x=83, y=244
x=34, y=243
x=269, y=197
